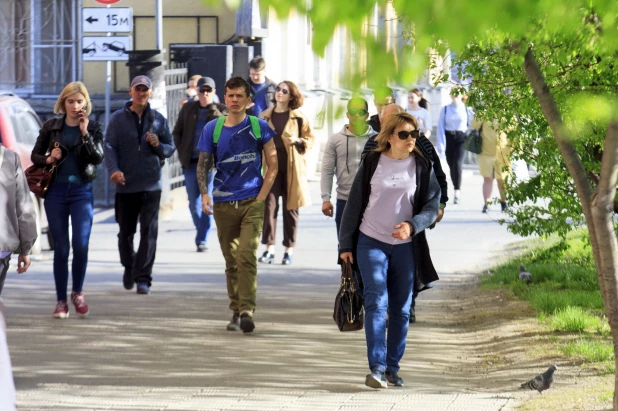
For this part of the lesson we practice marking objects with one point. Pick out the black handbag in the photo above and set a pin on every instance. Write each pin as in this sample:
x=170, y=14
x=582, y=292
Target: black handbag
x=474, y=141
x=349, y=313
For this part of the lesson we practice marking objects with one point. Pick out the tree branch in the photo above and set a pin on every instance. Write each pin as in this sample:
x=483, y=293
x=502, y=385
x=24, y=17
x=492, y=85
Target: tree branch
x=569, y=154
x=554, y=119
x=605, y=193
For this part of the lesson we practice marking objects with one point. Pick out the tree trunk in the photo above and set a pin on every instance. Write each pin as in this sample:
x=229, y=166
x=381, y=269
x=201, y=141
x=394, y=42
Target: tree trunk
x=597, y=206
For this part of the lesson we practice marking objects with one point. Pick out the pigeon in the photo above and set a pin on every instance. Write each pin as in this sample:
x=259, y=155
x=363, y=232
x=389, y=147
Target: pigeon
x=524, y=275
x=541, y=382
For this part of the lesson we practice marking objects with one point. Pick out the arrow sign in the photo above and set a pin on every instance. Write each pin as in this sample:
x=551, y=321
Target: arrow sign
x=105, y=20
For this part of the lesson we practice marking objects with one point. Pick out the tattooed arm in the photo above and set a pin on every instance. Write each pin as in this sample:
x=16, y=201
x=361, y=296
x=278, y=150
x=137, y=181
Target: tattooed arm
x=204, y=168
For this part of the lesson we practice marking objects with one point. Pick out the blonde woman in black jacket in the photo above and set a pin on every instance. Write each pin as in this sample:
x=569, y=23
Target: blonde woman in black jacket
x=74, y=144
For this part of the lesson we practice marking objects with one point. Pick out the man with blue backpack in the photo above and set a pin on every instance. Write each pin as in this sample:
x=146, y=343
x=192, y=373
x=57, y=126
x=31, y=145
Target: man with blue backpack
x=235, y=145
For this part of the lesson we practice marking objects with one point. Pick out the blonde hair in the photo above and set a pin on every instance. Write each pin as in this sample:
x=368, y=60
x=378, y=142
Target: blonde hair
x=389, y=124
x=69, y=90
x=193, y=80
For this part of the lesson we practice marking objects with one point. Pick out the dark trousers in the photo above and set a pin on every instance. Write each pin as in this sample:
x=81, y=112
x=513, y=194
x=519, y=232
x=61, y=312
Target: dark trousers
x=339, y=207
x=129, y=208
x=455, y=155
x=271, y=208
x=4, y=268
x=74, y=200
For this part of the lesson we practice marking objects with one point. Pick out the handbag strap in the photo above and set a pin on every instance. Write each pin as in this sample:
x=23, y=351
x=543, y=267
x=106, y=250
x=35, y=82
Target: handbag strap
x=346, y=271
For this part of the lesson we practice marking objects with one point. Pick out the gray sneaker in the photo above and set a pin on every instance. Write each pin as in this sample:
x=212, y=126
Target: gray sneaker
x=234, y=324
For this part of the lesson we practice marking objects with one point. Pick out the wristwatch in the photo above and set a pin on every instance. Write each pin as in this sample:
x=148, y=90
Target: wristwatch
x=442, y=206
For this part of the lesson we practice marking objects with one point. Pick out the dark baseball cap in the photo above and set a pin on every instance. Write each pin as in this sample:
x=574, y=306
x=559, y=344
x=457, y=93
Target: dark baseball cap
x=206, y=81
x=141, y=80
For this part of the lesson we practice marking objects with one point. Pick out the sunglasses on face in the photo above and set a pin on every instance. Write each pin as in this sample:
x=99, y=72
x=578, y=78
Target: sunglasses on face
x=206, y=90
x=357, y=112
x=282, y=90
x=403, y=135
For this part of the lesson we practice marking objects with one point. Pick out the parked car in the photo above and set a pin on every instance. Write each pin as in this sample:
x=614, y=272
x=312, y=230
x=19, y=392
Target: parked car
x=19, y=129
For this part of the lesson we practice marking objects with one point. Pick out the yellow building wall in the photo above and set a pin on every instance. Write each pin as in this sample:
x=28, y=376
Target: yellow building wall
x=180, y=25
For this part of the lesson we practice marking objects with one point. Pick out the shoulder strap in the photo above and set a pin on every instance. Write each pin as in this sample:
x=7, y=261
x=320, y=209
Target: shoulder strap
x=218, y=128
x=255, y=126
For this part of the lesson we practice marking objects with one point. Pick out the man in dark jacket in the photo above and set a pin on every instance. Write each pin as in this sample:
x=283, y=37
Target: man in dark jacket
x=192, y=118
x=136, y=140
x=262, y=88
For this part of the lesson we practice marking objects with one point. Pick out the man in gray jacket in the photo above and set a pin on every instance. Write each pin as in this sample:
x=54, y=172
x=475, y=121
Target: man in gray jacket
x=18, y=219
x=137, y=139
x=18, y=234
x=342, y=156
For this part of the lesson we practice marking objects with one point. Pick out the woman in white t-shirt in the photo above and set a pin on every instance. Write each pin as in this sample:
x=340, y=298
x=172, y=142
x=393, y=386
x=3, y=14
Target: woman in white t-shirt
x=394, y=198
x=422, y=116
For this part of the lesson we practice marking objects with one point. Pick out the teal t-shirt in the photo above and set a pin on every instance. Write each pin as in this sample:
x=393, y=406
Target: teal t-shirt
x=68, y=170
x=238, y=159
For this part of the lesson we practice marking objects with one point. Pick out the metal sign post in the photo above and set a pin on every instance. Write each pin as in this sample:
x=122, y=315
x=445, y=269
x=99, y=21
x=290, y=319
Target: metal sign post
x=107, y=48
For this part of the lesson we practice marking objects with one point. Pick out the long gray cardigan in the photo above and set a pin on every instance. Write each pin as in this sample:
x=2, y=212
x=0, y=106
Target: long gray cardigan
x=426, y=205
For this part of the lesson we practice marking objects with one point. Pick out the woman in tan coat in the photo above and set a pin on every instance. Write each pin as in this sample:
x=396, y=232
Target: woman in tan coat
x=493, y=162
x=293, y=140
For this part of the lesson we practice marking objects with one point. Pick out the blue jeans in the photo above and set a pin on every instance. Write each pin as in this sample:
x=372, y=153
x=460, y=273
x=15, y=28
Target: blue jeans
x=339, y=213
x=388, y=276
x=74, y=200
x=201, y=220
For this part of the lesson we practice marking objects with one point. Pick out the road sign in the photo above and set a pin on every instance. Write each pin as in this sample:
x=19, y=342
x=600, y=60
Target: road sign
x=107, y=19
x=106, y=48
x=107, y=1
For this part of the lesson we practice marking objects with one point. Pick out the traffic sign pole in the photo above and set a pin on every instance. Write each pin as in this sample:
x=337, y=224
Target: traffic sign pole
x=108, y=92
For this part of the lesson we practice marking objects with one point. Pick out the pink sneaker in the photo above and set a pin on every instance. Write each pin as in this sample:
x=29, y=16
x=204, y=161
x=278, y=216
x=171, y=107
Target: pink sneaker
x=80, y=304
x=62, y=310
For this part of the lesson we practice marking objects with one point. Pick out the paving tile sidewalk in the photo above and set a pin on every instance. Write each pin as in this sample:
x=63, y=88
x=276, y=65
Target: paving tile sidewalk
x=170, y=350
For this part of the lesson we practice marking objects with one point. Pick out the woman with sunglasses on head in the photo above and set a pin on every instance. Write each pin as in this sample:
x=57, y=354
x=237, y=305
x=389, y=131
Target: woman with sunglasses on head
x=293, y=139
x=394, y=198
x=74, y=144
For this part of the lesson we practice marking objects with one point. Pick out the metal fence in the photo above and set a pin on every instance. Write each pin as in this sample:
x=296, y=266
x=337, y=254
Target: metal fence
x=175, y=85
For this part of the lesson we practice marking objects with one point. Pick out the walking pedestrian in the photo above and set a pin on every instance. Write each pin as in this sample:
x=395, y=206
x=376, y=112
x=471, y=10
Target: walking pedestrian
x=234, y=146
x=394, y=198
x=493, y=162
x=293, y=139
x=18, y=219
x=422, y=115
x=455, y=120
x=429, y=152
x=74, y=144
x=262, y=88
x=382, y=97
x=136, y=140
x=18, y=228
x=342, y=156
x=8, y=398
x=191, y=121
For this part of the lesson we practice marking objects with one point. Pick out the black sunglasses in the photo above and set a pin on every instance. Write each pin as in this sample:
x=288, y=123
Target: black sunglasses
x=357, y=112
x=403, y=135
x=206, y=90
x=283, y=90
